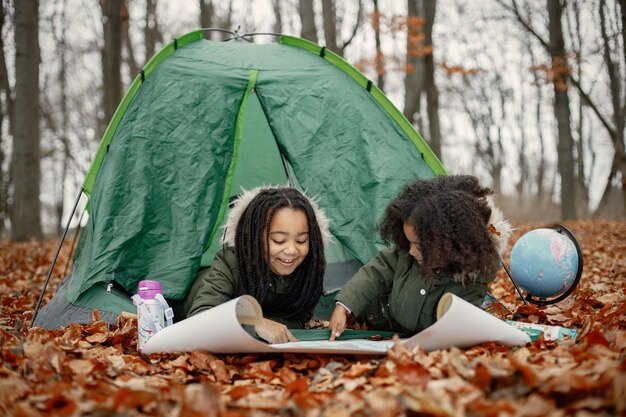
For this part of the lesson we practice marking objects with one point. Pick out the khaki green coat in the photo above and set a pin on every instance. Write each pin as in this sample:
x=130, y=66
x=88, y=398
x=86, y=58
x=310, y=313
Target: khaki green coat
x=389, y=293
x=221, y=283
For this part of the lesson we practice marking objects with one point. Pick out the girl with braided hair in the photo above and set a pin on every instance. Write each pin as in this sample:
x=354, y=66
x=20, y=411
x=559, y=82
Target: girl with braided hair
x=273, y=249
x=447, y=237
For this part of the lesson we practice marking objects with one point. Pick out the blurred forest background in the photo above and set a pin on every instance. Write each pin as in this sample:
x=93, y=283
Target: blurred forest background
x=530, y=96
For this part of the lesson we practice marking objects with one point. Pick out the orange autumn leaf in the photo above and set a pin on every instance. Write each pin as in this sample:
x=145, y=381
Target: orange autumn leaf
x=482, y=377
x=297, y=386
x=596, y=337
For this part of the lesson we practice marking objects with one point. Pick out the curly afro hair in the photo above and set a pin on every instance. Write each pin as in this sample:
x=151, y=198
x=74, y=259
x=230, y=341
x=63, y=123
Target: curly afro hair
x=450, y=215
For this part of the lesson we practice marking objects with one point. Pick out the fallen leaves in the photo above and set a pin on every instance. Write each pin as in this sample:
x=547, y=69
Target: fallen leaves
x=95, y=369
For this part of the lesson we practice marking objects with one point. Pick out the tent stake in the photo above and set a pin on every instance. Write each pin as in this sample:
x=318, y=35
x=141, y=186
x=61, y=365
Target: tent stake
x=54, y=261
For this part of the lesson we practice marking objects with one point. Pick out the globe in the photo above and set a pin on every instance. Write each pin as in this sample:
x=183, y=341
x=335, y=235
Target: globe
x=544, y=263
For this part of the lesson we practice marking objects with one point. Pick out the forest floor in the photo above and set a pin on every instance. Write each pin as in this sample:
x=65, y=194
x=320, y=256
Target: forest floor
x=95, y=370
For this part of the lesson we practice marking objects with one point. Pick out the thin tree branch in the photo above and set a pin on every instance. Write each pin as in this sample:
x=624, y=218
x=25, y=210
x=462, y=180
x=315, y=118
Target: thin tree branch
x=593, y=106
x=613, y=77
x=515, y=10
x=357, y=25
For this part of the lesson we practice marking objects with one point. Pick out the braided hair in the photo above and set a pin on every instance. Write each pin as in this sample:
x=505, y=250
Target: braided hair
x=252, y=249
x=450, y=215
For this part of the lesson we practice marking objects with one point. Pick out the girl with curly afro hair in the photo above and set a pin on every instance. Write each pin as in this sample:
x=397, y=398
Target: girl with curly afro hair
x=445, y=236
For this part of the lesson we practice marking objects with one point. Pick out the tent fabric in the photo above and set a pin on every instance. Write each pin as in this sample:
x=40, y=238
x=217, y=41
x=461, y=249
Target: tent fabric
x=212, y=117
x=59, y=312
x=156, y=196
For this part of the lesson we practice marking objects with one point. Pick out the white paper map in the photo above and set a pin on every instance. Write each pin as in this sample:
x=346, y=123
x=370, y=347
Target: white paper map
x=219, y=330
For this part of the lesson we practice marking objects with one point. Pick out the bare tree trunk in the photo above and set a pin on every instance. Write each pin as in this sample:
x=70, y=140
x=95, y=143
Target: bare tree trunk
x=63, y=133
x=488, y=146
x=6, y=113
x=26, y=219
x=111, y=57
x=496, y=167
x=278, y=17
x=575, y=36
x=5, y=86
x=346, y=42
x=430, y=87
x=622, y=115
x=607, y=189
x=498, y=151
x=414, y=78
x=151, y=33
x=561, y=77
x=3, y=179
x=379, y=60
x=541, y=169
x=618, y=165
x=565, y=144
x=131, y=60
x=622, y=9
x=522, y=161
x=541, y=160
x=307, y=17
x=151, y=29
x=330, y=21
x=432, y=108
x=227, y=21
x=206, y=17
x=618, y=101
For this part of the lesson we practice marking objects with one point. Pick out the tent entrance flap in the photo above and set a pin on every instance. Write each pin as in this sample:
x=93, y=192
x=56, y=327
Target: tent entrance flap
x=258, y=163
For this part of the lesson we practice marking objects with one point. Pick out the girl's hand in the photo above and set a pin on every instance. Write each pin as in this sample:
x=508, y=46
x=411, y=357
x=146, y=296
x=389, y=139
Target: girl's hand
x=274, y=332
x=338, y=322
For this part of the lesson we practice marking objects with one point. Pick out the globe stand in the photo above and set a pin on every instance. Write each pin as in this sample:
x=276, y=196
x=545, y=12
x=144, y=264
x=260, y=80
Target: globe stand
x=540, y=301
x=517, y=288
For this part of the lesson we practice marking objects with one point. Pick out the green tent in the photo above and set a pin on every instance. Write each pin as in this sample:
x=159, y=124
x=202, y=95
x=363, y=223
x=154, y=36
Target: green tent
x=205, y=119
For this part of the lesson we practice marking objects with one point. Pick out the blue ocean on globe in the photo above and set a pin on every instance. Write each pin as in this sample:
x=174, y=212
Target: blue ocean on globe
x=544, y=262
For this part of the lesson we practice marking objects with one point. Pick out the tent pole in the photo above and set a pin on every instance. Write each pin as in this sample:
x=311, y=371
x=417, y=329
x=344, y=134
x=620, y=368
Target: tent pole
x=69, y=259
x=54, y=261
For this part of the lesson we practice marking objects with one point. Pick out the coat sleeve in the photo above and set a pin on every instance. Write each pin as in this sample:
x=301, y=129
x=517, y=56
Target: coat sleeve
x=370, y=282
x=216, y=284
x=472, y=293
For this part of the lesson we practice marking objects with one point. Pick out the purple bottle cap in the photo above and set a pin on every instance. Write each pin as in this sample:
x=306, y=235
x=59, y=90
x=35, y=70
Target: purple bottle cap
x=147, y=289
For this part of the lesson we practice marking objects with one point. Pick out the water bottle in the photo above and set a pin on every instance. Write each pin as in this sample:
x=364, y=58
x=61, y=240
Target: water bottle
x=153, y=311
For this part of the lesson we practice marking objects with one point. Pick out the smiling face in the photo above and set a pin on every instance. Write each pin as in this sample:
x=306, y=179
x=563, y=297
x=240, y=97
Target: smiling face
x=414, y=243
x=288, y=240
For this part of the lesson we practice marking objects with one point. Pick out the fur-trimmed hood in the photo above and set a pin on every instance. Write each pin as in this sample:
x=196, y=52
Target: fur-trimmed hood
x=240, y=204
x=499, y=227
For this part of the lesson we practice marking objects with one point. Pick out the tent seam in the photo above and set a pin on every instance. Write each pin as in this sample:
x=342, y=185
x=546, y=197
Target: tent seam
x=233, y=162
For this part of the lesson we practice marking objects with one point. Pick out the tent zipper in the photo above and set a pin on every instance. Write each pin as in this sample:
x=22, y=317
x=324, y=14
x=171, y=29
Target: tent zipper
x=110, y=289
